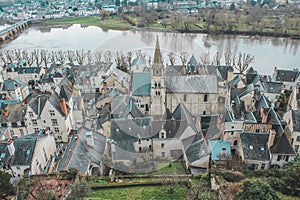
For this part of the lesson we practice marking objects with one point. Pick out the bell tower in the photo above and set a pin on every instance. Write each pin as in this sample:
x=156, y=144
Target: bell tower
x=158, y=95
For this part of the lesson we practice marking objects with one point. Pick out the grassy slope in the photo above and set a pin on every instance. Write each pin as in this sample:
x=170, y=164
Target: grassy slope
x=150, y=192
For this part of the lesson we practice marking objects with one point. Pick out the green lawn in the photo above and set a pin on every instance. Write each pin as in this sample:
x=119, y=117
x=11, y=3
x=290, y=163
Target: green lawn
x=145, y=193
x=175, y=168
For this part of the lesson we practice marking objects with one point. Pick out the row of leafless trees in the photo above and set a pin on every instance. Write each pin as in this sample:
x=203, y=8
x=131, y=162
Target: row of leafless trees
x=42, y=57
x=240, y=61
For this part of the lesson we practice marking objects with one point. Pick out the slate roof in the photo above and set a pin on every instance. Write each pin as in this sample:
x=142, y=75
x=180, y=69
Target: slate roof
x=80, y=154
x=198, y=151
x=24, y=148
x=272, y=87
x=282, y=145
x=37, y=104
x=29, y=70
x=216, y=149
x=16, y=111
x=122, y=106
x=54, y=100
x=141, y=83
x=296, y=120
x=192, y=84
x=10, y=85
x=255, y=146
x=286, y=75
x=20, y=82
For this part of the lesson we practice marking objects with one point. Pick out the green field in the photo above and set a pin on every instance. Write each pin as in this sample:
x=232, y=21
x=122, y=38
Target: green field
x=145, y=193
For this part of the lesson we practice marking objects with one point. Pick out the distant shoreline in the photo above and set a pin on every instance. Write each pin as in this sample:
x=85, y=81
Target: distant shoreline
x=251, y=34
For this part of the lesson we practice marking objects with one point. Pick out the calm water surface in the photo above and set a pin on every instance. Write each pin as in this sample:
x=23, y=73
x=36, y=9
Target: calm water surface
x=268, y=51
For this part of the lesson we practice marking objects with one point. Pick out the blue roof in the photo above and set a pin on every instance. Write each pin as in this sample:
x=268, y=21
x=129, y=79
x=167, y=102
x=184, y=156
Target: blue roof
x=141, y=83
x=216, y=148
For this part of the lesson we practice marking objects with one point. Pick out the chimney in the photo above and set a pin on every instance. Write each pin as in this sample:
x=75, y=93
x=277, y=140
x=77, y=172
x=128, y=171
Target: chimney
x=272, y=135
x=89, y=139
x=104, y=89
x=263, y=115
x=63, y=106
x=11, y=147
x=6, y=113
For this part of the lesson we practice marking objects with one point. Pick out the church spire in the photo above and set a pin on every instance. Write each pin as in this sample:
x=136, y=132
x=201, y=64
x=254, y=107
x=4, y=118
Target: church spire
x=157, y=62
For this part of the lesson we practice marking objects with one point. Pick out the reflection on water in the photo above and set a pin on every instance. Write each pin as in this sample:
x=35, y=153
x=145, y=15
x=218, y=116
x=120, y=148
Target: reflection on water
x=268, y=51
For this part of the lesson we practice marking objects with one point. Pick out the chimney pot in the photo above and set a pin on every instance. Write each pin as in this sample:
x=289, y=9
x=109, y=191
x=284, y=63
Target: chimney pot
x=63, y=106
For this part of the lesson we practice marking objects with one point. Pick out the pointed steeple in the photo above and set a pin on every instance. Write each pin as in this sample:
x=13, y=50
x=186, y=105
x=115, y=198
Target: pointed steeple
x=157, y=68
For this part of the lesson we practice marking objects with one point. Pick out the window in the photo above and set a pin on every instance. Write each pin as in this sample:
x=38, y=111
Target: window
x=155, y=85
x=298, y=138
x=204, y=112
x=150, y=147
x=18, y=167
x=279, y=157
x=184, y=97
x=235, y=142
x=21, y=132
x=30, y=114
x=162, y=145
x=52, y=113
x=257, y=130
x=36, y=130
x=162, y=135
x=56, y=129
x=205, y=98
x=140, y=149
x=54, y=122
x=163, y=154
x=139, y=141
x=34, y=122
x=11, y=133
x=45, y=155
x=262, y=166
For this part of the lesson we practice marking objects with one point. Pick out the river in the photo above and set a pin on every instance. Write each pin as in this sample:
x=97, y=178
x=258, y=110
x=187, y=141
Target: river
x=268, y=52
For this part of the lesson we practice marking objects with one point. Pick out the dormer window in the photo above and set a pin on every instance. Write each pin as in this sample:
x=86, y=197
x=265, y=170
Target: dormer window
x=162, y=134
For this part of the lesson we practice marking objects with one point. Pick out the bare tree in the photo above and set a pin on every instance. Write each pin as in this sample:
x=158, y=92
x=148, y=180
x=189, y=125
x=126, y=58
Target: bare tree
x=204, y=57
x=37, y=57
x=108, y=56
x=10, y=56
x=71, y=56
x=60, y=56
x=172, y=58
x=28, y=57
x=98, y=56
x=149, y=61
x=3, y=58
x=52, y=57
x=243, y=62
x=227, y=56
x=89, y=57
x=217, y=58
x=45, y=57
x=80, y=56
x=129, y=57
x=18, y=54
x=118, y=59
x=183, y=58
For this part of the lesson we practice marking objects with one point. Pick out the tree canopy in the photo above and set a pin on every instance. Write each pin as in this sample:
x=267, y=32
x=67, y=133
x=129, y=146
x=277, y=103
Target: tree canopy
x=6, y=188
x=253, y=189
